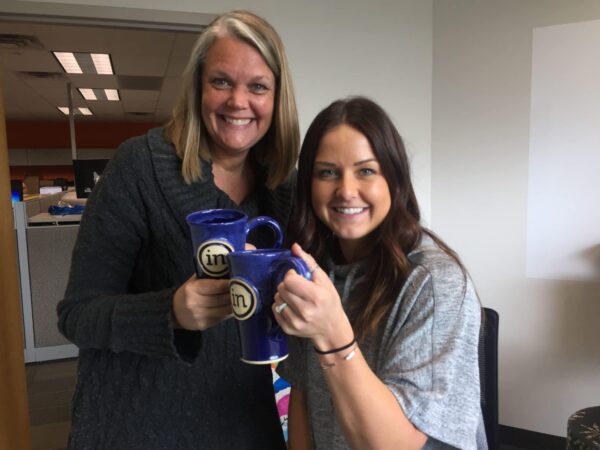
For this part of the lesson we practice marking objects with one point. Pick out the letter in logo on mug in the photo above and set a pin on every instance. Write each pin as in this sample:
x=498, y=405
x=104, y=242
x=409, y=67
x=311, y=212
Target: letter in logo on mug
x=244, y=299
x=212, y=258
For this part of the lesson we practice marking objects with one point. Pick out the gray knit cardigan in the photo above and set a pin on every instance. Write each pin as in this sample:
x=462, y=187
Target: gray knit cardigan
x=141, y=384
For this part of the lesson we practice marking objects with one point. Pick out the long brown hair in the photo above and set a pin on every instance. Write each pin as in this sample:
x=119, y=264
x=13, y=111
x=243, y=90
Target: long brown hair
x=399, y=233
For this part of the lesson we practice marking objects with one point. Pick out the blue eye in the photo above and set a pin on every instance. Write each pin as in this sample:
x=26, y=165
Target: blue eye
x=220, y=83
x=258, y=88
x=326, y=173
x=367, y=171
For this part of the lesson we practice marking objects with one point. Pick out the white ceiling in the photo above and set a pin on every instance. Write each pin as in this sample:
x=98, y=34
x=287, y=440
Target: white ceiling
x=147, y=65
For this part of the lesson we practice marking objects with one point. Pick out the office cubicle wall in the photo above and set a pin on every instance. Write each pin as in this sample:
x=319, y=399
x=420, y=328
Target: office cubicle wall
x=44, y=253
x=49, y=252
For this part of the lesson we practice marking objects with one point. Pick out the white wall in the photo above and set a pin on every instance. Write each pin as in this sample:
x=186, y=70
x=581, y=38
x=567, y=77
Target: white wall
x=549, y=330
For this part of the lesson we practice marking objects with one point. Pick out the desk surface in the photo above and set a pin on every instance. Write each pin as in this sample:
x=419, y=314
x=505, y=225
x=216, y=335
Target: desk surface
x=49, y=219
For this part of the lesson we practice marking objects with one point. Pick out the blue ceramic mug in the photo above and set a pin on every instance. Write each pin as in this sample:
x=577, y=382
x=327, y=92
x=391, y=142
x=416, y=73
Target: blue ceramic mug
x=255, y=275
x=217, y=232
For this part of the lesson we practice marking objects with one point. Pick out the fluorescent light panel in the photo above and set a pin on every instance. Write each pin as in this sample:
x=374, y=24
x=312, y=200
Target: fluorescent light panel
x=88, y=94
x=68, y=62
x=78, y=111
x=112, y=94
x=99, y=94
x=90, y=63
x=102, y=63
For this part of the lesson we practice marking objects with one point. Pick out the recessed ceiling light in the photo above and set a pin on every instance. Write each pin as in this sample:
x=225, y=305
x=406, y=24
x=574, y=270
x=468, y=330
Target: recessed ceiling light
x=112, y=94
x=99, y=94
x=88, y=94
x=68, y=62
x=77, y=111
x=102, y=63
x=91, y=63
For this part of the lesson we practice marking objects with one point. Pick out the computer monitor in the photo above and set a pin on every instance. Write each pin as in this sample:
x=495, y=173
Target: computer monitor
x=87, y=173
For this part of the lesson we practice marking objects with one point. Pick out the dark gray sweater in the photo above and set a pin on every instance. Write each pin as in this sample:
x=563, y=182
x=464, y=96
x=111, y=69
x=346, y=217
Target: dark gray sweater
x=141, y=384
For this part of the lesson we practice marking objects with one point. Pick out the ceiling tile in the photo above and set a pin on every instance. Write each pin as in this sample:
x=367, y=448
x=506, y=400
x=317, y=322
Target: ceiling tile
x=182, y=48
x=141, y=59
x=138, y=95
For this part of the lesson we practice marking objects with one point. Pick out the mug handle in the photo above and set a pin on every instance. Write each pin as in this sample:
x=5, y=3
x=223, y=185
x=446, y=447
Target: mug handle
x=279, y=271
x=271, y=223
x=287, y=263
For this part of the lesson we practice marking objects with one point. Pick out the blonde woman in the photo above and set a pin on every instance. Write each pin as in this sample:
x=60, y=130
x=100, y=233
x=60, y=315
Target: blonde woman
x=159, y=364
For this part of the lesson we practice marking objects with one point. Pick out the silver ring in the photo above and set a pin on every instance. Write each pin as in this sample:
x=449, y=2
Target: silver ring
x=314, y=269
x=280, y=307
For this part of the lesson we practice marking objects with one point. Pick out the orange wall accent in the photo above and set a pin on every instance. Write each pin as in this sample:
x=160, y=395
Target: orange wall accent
x=57, y=135
x=43, y=172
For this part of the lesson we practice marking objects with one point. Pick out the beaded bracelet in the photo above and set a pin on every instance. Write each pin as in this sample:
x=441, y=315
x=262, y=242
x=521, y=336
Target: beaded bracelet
x=348, y=357
x=335, y=350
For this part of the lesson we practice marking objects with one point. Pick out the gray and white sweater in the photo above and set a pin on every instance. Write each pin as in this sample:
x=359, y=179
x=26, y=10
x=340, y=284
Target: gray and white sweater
x=141, y=384
x=426, y=353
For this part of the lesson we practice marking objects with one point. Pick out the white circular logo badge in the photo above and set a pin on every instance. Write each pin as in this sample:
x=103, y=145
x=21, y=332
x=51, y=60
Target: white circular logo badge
x=243, y=299
x=212, y=258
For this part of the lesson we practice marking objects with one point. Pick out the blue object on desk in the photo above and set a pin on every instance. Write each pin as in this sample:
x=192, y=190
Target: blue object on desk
x=65, y=210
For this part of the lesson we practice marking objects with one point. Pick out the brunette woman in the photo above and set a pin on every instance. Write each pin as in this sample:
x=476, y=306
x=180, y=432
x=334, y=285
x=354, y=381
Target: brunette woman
x=391, y=319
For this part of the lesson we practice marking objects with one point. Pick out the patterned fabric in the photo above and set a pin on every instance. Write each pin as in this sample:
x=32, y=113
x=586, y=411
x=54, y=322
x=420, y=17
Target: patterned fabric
x=583, y=430
x=282, y=398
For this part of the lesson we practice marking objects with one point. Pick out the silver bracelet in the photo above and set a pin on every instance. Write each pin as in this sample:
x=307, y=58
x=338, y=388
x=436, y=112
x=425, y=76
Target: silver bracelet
x=347, y=357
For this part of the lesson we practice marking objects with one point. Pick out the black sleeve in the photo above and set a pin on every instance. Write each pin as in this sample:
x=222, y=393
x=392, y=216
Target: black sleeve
x=98, y=310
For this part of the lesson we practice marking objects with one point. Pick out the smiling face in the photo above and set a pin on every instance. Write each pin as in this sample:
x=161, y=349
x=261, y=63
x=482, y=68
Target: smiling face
x=238, y=96
x=349, y=192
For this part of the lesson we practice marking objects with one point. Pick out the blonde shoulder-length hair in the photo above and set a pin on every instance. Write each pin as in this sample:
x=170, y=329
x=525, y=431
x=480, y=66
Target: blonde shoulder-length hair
x=278, y=149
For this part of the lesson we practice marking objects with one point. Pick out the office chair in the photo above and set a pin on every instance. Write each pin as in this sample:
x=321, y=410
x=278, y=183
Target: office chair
x=488, y=375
